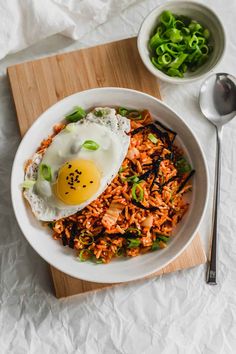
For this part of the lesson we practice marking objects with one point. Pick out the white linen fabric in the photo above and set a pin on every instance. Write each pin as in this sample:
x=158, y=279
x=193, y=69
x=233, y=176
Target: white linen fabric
x=177, y=313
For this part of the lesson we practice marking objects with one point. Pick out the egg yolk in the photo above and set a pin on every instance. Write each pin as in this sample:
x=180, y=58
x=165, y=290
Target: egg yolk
x=78, y=181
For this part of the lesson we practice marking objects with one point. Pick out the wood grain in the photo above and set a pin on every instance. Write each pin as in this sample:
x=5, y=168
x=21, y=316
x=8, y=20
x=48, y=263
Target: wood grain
x=36, y=85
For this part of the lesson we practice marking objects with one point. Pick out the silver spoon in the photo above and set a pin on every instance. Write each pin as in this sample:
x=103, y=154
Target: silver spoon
x=217, y=101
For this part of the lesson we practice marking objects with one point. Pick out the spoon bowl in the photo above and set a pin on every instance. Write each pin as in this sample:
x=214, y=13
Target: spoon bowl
x=217, y=98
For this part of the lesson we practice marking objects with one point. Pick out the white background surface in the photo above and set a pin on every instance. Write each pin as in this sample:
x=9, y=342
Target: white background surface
x=177, y=313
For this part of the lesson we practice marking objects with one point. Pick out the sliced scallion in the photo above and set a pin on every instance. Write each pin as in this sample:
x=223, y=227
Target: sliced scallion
x=132, y=114
x=45, y=172
x=84, y=255
x=90, y=145
x=133, y=242
x=77, y=114
x=28, y=183
x=179, y=44
x=163, y=238
x=123, y=111
x=133, y=179
x=183, y=166
x=155, y=246
x=139, y=197
x=98, y=113
x=152, y=138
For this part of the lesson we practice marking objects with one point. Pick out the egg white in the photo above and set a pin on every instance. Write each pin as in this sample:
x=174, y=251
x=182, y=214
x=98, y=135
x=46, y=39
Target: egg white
x=109, y=131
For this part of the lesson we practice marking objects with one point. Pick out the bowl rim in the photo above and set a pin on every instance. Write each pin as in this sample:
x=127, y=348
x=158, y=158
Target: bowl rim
x=144, y=273
x=158, y=73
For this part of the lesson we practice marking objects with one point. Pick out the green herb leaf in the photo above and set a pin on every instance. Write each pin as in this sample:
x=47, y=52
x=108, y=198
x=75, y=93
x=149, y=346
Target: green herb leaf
x=77, y=114
x=152, y=138
x=28, y=183
x=133, y=242
x=90, y=145
x=45, y=172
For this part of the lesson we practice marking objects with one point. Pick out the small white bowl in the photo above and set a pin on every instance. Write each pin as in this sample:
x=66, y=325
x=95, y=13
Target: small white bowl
x=195, y=11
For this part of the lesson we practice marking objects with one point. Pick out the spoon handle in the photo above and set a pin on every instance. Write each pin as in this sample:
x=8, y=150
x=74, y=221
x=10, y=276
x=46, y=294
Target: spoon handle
x=211, y=274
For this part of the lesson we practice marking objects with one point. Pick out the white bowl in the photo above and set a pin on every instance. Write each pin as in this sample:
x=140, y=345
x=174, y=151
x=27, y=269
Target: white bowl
x=119, y=270
x=195, y=11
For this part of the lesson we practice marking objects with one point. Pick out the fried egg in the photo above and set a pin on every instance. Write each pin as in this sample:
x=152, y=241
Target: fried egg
x=77, y=173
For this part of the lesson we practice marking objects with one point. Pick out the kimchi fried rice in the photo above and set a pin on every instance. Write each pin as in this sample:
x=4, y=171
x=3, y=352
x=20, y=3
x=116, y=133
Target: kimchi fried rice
x=140, y=208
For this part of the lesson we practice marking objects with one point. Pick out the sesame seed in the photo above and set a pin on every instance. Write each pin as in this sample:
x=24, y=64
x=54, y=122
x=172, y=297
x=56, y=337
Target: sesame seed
x=84, y=185
x=69, y=166
x=91, y=182
x=66, y=192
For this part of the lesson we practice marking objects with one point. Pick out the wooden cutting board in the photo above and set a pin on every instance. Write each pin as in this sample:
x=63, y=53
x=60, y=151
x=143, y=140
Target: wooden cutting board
x=36, y=85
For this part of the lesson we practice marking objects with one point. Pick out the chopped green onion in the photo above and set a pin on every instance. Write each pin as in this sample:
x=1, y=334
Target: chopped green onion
x=133, y=242
x=155, y=63
x=98, y=261
x=90, y=145
x=206, y=33
x=174, y=35
x=86, y=239
x=120, y=252
x=174, y=72
x=81, y=255
x=178, y=61
x=163, y=238
x=135, y=115
x=122, y=169
x=167, y=18
x=28, y=183
x=133, y=179
x=178, y=44
x=130, y=113
x=45, y=172
x=98, y=113
x=70, y=127
x=164, y=59
x=123, y=111
x=183, y=166
x=78, y=114
x=152, y=138
x=136, y=197
x=155, y=246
